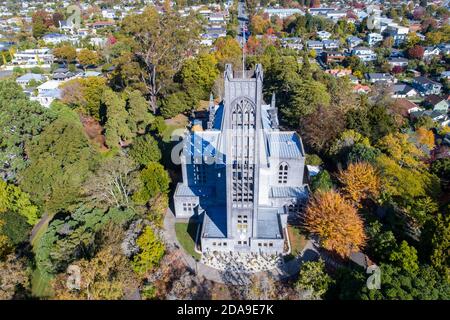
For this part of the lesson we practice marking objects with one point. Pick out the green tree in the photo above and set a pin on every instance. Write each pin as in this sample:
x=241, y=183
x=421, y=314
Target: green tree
x=85, y=93
x=151, y=251
x=116, y=128
x=313, y=279
x=20, y=121
x=14, y=200
x=307, y=95
x=159, y=43
x=200, y=72
x=321, y=181
x=380, y=243
x=362, y=153
x=61, y=158
x=175, y=104
x=66, y=53
x=138, y=115
x=87, y=57
x=372, y=121
x=405, y=257
x=72, y=237
x=154, y=181
x=145, y=149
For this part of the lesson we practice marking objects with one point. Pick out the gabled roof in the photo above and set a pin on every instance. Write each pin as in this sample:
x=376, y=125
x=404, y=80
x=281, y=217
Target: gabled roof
x=425, y=80
x=434, y=99
x=30, y=76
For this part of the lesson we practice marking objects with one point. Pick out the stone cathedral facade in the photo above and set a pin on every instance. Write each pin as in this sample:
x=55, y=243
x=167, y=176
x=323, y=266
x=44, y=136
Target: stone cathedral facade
x=242, y=176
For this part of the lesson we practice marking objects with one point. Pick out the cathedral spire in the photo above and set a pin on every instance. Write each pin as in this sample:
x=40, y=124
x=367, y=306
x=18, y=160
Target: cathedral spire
x=244, y=30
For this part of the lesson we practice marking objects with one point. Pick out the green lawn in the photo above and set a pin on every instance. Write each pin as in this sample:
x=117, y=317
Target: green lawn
x=297, y=239
x=178, y=122
x=186, y=233
x=40, y=285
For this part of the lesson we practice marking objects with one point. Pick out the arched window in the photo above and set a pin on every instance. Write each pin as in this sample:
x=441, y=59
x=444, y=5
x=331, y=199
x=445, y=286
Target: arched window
x=283, y=173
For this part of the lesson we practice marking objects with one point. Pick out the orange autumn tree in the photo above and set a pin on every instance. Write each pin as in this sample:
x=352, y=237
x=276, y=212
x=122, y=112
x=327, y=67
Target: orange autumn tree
x=336, y=222
x=360, y=181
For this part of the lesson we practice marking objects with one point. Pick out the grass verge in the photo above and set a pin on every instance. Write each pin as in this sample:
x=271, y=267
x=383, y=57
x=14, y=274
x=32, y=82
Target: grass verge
x=186, y=233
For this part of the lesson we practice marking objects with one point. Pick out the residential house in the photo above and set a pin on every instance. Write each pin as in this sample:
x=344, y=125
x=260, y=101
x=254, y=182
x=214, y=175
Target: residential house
x=335, y=15
x=365, y=54
x=438, y=116
x=426, y=86
x=292, y=43
x=353, y=41
x=47, y=93
x=444, y=48
x=217, y=18
x=353, y=79
x=437, y=103
x=55, y=38
x=282, y=12
x=324, y=35
x=63, y=74
x=24, y=80
x=102, y=24
x=31, y=58
x=374, y=38
x=339, y=72
x=314, y=45
x=396, y=53
x=445, y=75
x=331, y=44
x=398, y=33
x=405, y=107
x=380, y=77
x=333, y=57
x=403, y=90
x=431, y=52
x=361, y=89
x=398, y=62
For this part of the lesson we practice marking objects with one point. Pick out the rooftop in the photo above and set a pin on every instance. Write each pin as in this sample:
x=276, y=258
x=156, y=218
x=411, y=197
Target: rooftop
x=288, y=192
x=286, y=145
x=268, y=226
x=215, y=222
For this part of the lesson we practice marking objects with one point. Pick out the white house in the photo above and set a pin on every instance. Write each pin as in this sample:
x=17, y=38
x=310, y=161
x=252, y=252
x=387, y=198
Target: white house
x=55, y=38
x=24, y=80
x=283, y=13
x=47, y=93
x=31, y=58
x=365, y=54
x=324, y=35
x=374, y=38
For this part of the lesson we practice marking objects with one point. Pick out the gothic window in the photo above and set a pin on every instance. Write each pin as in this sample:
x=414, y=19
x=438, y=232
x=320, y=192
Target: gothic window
x=283, y=173
x=243, y=124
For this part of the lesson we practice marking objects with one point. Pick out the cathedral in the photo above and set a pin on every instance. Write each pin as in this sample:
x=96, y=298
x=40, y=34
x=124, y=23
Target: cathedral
x=242, y=176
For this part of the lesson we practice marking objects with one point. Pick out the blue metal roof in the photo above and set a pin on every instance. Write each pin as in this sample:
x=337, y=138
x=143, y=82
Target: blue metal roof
x=215, y=222
x=286, y=145
x=202, y=143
